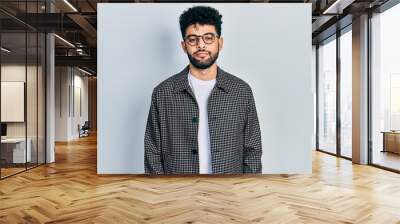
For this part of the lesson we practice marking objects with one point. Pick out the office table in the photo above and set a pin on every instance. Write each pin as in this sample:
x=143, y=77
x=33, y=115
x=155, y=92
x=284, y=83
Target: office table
x=391, y=141
x=13, y=150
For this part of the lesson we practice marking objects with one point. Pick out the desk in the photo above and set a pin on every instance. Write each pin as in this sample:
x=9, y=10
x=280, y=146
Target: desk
x=15, y=148
x=391, y=141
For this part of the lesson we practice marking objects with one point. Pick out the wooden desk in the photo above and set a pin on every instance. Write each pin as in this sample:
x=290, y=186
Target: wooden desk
x=391, y=141
x=13, y=150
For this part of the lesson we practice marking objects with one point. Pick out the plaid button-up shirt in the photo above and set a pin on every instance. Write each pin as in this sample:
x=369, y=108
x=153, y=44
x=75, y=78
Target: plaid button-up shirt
x=170, y=141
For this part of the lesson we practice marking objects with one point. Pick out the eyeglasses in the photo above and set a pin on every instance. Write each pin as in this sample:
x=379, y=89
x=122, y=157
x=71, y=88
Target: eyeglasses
x=208, y=38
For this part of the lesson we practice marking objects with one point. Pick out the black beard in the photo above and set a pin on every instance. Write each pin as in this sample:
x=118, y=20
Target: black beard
x=203, y=65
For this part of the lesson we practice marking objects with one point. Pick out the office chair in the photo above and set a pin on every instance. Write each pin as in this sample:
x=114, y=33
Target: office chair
x=84, y=130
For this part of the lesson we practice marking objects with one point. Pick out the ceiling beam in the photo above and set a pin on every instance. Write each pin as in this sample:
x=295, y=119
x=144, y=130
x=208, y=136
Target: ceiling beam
x=85, y=61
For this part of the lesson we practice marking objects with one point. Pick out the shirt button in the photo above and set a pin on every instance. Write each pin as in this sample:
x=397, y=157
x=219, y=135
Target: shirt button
x=194, y=120
x=194, y=151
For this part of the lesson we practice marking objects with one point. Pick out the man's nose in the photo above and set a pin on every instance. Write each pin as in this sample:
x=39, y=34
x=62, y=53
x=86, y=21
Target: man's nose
x=201, y=44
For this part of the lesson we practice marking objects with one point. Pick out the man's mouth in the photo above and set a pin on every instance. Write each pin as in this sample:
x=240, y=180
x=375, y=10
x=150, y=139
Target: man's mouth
x=202, y=54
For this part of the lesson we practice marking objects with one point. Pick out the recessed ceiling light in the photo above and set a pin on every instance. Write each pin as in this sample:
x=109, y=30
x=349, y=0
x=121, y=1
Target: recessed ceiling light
x=5, y=50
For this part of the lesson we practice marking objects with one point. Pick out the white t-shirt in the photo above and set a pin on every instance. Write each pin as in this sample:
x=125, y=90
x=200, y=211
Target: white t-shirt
x=202, y=90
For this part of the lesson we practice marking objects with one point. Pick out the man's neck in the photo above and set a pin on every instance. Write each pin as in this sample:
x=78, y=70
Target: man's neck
x=204, y=74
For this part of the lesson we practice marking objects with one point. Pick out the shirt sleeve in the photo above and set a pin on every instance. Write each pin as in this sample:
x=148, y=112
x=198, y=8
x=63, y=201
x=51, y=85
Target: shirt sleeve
x=252, y=140
x=152, y=140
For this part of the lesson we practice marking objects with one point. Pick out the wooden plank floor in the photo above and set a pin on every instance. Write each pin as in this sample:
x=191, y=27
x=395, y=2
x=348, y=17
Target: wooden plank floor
x=70, y=191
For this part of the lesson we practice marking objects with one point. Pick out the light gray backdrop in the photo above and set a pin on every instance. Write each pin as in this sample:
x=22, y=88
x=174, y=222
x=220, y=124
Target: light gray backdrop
x=267, y=45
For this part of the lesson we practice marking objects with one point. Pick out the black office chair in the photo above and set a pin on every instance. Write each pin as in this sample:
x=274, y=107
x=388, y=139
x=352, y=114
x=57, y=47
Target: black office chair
x=84, y=130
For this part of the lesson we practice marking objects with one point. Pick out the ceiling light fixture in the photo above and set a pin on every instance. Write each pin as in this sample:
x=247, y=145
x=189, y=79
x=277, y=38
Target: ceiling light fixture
x=337, y=7
x=70, y=5
x=5, y=50
x=64, y=40
x=79, y=51
x=84, y=71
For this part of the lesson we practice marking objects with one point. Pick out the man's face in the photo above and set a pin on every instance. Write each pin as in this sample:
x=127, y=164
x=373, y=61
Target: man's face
x=202, y=51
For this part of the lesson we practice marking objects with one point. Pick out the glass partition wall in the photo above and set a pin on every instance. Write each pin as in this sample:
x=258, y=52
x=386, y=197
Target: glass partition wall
x=327, y=95
x=22, y=78
x=334, y=110
x=385, y=89
x=345, y=62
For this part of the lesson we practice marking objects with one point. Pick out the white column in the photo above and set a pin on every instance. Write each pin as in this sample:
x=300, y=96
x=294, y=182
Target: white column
x=360, y=90
x=50, y=110
x=50, y=92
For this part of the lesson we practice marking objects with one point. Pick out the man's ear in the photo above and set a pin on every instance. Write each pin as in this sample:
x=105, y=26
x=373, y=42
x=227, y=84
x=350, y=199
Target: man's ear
x=221, y=43
x=183, y=46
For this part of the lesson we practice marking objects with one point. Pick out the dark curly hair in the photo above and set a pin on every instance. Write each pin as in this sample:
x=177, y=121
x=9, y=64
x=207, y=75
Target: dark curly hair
x=203, y=15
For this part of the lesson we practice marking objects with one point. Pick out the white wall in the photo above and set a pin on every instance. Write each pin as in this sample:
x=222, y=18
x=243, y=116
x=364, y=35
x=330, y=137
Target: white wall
x=61, y=103
x=79, y=117
x=267, y=45
x=15, y=73
x=67, y=83
x=18, y=73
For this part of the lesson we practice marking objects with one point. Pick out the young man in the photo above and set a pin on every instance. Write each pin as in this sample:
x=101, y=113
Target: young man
x=203, y=119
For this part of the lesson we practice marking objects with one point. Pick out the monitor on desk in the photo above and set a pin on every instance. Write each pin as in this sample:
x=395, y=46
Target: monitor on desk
x=3, y=130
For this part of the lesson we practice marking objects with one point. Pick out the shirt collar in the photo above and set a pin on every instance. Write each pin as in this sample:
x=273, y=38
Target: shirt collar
x=182, y=83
